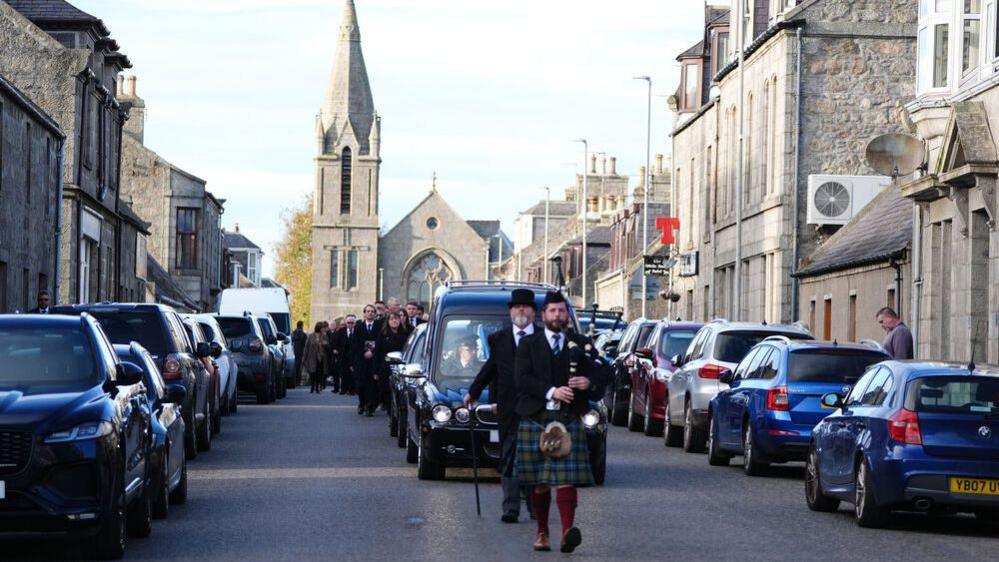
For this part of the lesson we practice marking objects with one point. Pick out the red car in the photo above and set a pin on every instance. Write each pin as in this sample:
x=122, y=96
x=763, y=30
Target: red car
x=647, y=408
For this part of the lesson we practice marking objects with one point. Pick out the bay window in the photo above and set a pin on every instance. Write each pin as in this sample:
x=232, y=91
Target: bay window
x=971, y=22
x=933, y=38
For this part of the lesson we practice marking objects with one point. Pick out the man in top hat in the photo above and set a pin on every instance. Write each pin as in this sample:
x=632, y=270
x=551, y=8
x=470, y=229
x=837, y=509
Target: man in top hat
x=498, y=375
x=553, y=370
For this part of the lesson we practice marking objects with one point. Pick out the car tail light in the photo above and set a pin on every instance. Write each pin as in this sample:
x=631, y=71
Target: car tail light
x=710, y=371
x=777, y=399
x=171, y=369
x=255, y=345
x=903, y=427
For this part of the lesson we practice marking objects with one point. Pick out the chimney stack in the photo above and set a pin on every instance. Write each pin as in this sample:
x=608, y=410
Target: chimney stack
x=131, y=86
x=235, y=228
x=613, y=162
x=603, y=165
x=659, y=164
x=136, y=107
x=119, y=89
x=593, y=164
x=641, y=182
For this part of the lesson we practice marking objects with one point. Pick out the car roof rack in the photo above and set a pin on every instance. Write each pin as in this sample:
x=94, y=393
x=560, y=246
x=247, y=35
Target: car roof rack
x=778, y=337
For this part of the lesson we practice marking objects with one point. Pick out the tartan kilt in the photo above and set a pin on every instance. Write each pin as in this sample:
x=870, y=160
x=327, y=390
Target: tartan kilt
x=534, y=468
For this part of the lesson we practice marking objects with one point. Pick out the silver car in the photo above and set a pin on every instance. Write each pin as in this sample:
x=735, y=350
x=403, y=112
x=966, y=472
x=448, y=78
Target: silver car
x=718, y=346
x=227, y=364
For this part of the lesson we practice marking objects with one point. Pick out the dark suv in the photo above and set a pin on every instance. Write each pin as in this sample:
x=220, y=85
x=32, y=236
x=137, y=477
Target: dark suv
x=160, y=330
x=252, y=354
x=75, y=435
x=636, y=336
x=275, y=340
x=438, y=426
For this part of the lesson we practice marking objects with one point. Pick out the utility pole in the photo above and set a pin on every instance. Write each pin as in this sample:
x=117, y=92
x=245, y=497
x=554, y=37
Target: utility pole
x=548, y=202
x=739, y=187
x=645, y=195
x=586, y=210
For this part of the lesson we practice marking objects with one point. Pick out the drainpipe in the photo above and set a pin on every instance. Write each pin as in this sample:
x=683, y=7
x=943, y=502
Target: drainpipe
x=797, y=176
x=57, y=270
x=917, y=276
x=897, y=266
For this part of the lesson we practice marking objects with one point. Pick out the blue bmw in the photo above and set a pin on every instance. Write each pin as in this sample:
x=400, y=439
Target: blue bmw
x=912, y=436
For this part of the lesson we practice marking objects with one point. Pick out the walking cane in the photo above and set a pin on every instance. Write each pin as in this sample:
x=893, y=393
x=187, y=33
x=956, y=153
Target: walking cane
x=475, y=464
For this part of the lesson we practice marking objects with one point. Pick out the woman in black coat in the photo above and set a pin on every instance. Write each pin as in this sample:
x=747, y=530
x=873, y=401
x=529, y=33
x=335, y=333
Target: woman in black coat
x=392, y=338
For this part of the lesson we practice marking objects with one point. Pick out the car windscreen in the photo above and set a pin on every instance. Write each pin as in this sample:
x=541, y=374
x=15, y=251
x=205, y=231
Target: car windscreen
x=676, y=342
x=235, y=327
x=731, y=347
x=830, y=365
x=143, y=326
x=462, y=349
x=283, y=321
x=46, y=360
x=954, y=395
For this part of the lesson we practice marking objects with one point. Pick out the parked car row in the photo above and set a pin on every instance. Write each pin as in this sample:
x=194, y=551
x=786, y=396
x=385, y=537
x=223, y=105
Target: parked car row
x=881, y=434
x=101, y=408
x=428, y=383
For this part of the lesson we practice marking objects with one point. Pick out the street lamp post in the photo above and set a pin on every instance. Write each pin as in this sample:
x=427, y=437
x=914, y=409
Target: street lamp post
x=645, y=195
x=548, y=202
x=586, y=210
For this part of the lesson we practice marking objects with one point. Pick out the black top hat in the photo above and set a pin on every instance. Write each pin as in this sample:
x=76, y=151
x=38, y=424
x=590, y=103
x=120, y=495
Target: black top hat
x=554, y=297
x=524, y=297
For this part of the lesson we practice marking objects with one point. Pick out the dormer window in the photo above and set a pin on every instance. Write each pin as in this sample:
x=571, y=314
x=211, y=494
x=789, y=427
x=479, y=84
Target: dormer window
x=691, y=85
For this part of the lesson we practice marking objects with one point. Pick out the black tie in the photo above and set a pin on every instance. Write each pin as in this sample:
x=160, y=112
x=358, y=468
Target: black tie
x=520, y=336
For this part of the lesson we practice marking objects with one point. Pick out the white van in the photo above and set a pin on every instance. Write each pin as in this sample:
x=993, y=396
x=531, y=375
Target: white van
x=261, y=302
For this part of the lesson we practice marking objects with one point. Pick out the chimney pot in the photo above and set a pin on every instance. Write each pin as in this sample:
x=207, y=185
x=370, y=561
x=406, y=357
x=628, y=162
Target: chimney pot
x=641, y=182
x=235, y=227
x=613, y=163
x=593, y=163
x=603, y=165
x=119, y=86
x=659, y=164
x=131, y=85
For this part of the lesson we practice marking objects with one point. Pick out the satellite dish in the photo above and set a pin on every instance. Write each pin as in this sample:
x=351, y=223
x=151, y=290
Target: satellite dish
x=895, y=154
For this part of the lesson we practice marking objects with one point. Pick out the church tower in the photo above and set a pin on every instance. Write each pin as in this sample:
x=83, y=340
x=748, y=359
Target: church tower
x=345, y=213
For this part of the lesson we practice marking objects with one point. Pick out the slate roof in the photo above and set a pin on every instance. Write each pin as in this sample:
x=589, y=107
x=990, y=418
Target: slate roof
x=598, y=235
x=55, y=11
x=237, y=240
x=717, y=15
x=695, y=51
x=555, y=209
x=882, y=230
x=126, y=211
x=488, y=229
x=167, y=290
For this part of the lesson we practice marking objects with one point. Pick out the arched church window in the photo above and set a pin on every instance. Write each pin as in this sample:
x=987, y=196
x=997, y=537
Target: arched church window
x=346, y=164
x=425, y=276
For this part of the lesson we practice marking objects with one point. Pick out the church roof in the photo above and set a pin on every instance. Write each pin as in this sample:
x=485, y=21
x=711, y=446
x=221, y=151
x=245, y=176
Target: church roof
x=348, y=98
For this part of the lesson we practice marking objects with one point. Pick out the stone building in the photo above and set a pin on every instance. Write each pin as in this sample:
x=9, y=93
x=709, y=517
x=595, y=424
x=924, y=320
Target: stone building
x=245, y=259
x=30, y=151
x=821, y=78
x=353, y=264
x=66, y=61
x=529, y=227
x=619, y=282
x=955, y=282
x=184, y=217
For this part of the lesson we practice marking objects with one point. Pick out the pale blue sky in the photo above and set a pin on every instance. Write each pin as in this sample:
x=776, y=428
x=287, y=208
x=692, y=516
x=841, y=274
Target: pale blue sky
x=489, y=94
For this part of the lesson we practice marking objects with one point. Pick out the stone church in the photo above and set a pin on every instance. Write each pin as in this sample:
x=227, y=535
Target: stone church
x=353, y=262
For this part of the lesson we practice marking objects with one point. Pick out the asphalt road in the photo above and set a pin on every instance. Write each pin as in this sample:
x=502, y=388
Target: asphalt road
x=308, y=479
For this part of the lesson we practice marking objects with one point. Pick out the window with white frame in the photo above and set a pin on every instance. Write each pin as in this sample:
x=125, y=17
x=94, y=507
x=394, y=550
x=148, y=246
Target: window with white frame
x=933, y=39
x=251, y=267
x=971, y=17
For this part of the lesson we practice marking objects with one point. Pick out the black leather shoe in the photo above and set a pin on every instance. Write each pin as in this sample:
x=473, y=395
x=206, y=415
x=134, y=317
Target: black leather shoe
x=571, y=540
x=510, y=517
x=370, y=414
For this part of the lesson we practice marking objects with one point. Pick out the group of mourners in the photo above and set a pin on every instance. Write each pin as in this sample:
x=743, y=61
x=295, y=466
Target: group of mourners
x=351, y=352
x=540, y=377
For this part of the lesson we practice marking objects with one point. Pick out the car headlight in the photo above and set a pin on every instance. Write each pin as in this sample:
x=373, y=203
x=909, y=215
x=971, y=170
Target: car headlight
x=89, y=430
x=591, y=419
x=441, y=413
x=462, y=415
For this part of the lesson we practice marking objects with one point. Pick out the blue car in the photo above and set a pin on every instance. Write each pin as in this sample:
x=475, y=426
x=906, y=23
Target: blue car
x=911, y=435
x=774, y=399
x=168, y=463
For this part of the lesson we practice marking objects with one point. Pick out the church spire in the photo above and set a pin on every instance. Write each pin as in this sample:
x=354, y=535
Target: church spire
x=348, y=105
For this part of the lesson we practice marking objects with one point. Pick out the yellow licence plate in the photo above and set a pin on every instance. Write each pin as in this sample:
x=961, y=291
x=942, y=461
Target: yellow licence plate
x=977, y=486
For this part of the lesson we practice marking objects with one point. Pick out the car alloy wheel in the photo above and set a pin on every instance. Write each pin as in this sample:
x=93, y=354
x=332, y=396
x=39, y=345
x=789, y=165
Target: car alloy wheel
x=161, y=504
x=865, y=508
x=634, y=422
x=693, y=438
x=716, y=457
x=750, y=465
x=817, y=501
x=671, y=436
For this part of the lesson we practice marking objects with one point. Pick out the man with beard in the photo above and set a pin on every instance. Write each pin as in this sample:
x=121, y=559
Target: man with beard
x=363, y=355
x=498, y=375
x=549, y=391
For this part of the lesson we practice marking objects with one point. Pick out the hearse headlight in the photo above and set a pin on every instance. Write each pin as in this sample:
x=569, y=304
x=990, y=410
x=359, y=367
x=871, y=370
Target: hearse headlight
x=441, y=413
x=89, y=430
x=591, y=419
x=462, y=415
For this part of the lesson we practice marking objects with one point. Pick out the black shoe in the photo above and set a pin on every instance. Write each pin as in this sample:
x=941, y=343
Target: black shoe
x=370, y=414
x=360, y=411
x=510, y=516
x=571, y=540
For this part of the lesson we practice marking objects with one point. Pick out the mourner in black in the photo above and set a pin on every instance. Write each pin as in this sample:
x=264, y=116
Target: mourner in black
x=498, y=376
x=343, y=376
x=42, y=301
x=392, y=338
x=553, y=370
x=298, y=339
x=362, y=350
x=413, y=315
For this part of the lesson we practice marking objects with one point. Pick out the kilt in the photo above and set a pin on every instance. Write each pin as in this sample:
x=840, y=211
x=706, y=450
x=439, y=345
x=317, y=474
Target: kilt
x=534, y=468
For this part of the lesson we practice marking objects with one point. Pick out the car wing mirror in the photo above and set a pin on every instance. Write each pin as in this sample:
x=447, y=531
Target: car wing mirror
x=175, y=394
x=128, y=374
x=726, y=377
x=832, y=401
x=676, y=360
x=203, y=350
x=394, y=358
x=216, y=349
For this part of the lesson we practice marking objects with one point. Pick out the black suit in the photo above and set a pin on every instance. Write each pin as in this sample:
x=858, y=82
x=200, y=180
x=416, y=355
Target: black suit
x=538, y=370
x=39, y=311
x=364, y=369
x=343, y=377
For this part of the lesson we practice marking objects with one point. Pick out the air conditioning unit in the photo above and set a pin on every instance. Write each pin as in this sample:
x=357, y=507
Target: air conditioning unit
x=836, y=199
